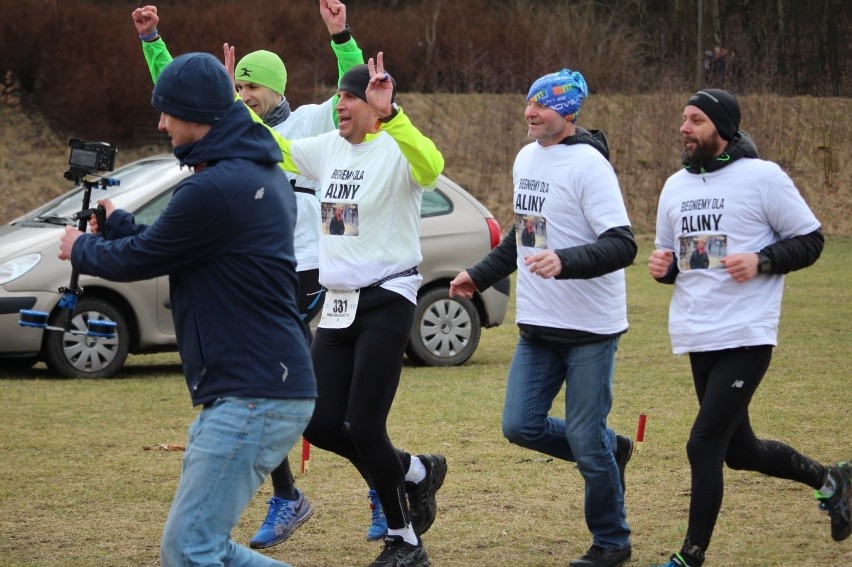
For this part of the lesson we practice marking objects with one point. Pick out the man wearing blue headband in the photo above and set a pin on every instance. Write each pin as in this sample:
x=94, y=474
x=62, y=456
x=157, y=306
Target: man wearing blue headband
x=571, y=304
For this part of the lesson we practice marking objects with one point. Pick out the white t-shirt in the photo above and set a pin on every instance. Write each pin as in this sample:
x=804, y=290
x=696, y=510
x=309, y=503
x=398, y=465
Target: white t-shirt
x=306, y=121
x=742, y=207
x=569, y=195
x=370, y=211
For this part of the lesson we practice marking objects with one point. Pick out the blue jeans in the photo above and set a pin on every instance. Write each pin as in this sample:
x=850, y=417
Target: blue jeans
x=536, y=376
x=233, y=445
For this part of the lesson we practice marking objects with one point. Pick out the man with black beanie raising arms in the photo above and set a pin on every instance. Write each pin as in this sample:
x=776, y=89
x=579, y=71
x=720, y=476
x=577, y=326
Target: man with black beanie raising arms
x=724, y=313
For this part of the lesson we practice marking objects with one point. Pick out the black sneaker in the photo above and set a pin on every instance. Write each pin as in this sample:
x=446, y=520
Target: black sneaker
x=623, y=451
x=839, y=505
x=597, y=556
x=396, y=552
x=421, y=495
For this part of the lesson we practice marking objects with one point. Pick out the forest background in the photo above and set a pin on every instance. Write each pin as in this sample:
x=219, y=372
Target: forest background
x=462, y=68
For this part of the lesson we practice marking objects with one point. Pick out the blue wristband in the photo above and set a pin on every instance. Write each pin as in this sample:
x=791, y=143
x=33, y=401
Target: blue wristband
x=150, y=36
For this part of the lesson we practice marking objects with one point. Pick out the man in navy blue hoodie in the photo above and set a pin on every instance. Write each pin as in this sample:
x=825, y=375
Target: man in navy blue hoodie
x=232, y=274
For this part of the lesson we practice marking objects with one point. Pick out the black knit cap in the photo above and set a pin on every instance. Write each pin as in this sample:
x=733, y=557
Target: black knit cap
x=721, y=107
x=194, y=87
x=355, y=82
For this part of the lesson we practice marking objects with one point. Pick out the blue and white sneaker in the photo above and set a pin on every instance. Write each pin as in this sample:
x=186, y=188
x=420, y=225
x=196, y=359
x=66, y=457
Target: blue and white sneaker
x=378, y=523
x=282, y=519
x=676, y=561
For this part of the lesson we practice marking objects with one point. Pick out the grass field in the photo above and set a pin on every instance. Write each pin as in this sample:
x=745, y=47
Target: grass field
x=77, y=488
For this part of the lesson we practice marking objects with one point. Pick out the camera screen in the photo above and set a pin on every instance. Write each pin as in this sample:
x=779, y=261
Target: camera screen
x=83, y=158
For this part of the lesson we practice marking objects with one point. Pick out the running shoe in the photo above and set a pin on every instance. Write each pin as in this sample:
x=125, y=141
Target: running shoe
x=839, y=504
x=421, y=495
x=677, y=560
x=396, y=552
x=597, y=556
x=282, y=519
x=623, y=451
x=378, y=523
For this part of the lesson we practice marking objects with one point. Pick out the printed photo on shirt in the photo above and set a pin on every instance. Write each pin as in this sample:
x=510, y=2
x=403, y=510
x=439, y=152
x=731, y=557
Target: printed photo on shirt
x=530, y=231
x=340, y=219
x=702, y=251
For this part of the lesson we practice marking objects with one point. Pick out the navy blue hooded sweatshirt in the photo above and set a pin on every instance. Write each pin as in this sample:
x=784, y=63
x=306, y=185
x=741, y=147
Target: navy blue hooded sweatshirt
x=226, y=241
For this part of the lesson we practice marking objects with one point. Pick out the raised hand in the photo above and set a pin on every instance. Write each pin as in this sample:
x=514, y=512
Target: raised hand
x=145, y=19
x=333, y=13
x=230, y=59
x=380, y=88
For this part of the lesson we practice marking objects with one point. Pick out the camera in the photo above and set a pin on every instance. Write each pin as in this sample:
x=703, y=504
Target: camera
x=91, y=157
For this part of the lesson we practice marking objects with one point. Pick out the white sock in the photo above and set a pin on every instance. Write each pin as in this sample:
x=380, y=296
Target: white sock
x=407, y=533
x=416, y=471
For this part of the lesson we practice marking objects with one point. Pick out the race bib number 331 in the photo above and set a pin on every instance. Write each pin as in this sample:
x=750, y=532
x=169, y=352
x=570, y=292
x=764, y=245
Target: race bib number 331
x=339, y=308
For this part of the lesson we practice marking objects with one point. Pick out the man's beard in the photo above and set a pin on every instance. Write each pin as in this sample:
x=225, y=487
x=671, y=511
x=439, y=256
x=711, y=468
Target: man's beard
x=704, y=150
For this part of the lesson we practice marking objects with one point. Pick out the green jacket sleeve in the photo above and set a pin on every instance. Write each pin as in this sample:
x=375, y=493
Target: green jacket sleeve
x=426, y=161
x=286, y=163
x=348, y=55
x=157, y=56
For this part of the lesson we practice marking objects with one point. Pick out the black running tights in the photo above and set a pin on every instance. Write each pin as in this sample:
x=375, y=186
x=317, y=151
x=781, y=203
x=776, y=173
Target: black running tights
x=358, y=370
x=725, y=382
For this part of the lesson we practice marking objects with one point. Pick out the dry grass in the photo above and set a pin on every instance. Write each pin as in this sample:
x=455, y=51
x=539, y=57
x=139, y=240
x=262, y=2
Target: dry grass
x=479, y=135
x=76, y=488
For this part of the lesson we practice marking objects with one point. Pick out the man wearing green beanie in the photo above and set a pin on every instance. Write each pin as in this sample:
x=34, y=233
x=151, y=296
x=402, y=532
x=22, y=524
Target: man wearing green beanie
x=264, y=69
x=261, y=78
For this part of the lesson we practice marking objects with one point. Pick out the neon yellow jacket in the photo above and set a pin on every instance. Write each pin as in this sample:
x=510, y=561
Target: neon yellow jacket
x=425, y=160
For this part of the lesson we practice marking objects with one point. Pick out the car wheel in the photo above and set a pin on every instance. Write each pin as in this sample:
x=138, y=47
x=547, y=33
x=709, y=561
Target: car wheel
x=71, y=355
x=445, y=331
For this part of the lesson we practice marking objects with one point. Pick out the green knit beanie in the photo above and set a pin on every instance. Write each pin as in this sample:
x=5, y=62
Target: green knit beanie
x=262, y=68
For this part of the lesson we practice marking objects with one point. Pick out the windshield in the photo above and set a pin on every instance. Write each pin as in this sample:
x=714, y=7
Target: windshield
x=130, y=177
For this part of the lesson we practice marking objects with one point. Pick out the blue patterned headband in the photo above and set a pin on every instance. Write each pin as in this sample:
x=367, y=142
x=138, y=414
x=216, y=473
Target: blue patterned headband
x=562, y=91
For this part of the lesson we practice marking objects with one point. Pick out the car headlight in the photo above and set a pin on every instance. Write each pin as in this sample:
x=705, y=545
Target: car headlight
x=17, y=267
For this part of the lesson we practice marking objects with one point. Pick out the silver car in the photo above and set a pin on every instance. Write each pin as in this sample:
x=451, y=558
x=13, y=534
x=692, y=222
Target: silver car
x=455, y=229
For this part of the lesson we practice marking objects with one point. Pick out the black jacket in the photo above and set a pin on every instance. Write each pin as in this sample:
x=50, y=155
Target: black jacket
x=224, y=241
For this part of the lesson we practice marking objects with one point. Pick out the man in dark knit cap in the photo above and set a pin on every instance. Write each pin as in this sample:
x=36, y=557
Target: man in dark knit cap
x=371, y=278
x=725, y=317
x=256, y=390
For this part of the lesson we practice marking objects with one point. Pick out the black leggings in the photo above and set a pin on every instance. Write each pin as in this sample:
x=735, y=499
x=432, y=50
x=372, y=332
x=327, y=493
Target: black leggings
x=311, y=295
x=358, y=370
x=725, y=382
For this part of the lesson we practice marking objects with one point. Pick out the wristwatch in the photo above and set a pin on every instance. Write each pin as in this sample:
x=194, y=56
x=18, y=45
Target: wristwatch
x=392, y=115
x=342, y=37
x=764, y=263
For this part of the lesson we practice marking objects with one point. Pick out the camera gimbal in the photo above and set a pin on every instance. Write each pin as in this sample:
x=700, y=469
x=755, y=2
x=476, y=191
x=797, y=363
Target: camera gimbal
x=86, y=158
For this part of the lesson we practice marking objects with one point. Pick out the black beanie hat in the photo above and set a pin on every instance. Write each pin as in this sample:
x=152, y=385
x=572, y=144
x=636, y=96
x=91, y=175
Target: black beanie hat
x=721, y=107
x=194, y=87
x=355, y=82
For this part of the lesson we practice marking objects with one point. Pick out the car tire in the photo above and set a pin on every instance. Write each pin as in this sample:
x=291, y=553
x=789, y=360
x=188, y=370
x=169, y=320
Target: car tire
x=445, y=331
x=75, y=356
